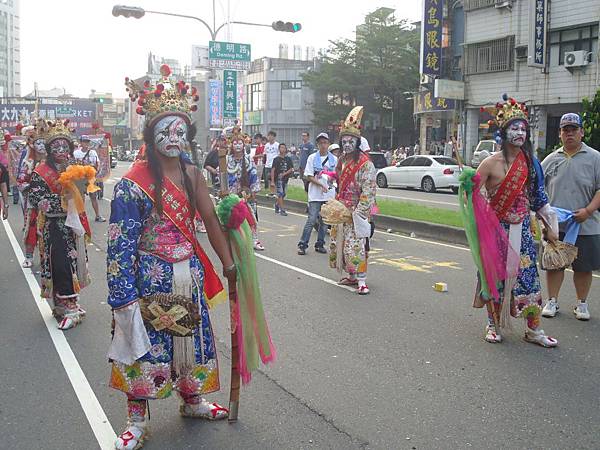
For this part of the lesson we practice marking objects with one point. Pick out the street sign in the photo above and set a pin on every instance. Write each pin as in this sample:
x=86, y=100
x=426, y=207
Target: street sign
x=230, y=94
x=228, y=55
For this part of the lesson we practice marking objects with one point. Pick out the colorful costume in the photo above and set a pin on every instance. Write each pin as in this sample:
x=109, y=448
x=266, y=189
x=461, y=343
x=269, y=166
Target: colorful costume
x=357, y=189
x=63, y=233
x=499, y=232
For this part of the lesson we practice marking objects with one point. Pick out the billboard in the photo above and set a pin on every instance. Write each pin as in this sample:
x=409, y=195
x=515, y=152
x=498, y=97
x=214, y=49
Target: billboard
x=431, y=38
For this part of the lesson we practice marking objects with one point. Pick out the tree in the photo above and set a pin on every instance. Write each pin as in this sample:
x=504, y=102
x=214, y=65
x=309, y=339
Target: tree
x=591, y=121
x=374, y=70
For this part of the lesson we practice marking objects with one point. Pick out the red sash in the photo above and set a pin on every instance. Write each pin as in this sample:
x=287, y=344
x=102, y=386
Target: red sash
x=50, y=176
x=349, y=172
x=176, y=208
x=511, y=186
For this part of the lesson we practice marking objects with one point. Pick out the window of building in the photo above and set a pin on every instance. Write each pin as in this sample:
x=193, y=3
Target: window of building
x=254, y=97
x=570, y=40
x=341, y=99
x=490, y=56
x=470, y=5
x=291, y=95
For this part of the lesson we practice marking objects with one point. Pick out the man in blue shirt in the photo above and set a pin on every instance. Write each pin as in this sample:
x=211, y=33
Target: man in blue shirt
x=306, y=148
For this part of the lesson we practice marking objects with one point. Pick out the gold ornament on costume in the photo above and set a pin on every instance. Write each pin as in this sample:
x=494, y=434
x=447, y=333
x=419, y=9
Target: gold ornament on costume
x=40, y=130
x=508, y=111
x=167, y=96
x=351, y=126
x=58, y=129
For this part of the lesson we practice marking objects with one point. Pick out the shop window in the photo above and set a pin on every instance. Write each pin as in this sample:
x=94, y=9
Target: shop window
x=570, y=40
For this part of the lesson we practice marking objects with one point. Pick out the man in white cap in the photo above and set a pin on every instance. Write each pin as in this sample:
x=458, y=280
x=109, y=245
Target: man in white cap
x=572, y=178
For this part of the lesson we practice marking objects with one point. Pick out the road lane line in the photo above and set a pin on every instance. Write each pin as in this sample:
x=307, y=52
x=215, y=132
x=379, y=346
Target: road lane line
x=103, y=430
x=304, y=272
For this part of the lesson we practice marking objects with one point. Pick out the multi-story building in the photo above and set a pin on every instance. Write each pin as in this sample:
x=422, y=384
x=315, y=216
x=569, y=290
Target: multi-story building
x=10, y=54
x=275, y=98
x=541, y=52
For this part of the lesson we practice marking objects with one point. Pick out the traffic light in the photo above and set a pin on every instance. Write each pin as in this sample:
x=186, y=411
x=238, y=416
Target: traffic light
x=128, y=11
x=98, y=100
x=287, y=27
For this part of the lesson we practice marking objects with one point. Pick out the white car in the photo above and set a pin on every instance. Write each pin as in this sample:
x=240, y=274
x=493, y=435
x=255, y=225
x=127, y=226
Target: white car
x=421, y=171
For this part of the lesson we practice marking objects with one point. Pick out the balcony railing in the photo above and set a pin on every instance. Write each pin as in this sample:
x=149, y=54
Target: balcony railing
x=470, y=5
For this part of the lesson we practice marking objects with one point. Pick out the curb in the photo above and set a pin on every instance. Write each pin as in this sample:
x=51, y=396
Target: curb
x=413, y=228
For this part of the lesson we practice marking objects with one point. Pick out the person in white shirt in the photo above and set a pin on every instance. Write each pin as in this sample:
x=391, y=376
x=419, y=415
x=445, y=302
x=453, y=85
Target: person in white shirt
x=320, y=173
x=89, y=157
x=271, y=152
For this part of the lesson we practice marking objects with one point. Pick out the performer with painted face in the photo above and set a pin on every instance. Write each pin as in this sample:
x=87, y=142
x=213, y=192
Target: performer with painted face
x=357, y=188
x=161, y=282
x=36, y=154
x=242, y=176
x=62, y=243
x=499, y=227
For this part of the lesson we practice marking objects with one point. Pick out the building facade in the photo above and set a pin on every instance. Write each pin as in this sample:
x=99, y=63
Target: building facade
x=275, y=98
x=500, y=55
x=10, y=53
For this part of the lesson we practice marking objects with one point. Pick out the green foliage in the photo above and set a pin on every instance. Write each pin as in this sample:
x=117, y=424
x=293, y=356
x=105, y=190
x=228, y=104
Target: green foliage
x=591, y=121
x=374, y=70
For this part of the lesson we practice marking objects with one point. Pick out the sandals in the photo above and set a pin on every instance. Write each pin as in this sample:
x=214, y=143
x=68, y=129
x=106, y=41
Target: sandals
x=539, y=337
x=363, y=290
x=70, y=320
x=204, y=410
x=491, y=335
x=27, y=263
x=133, y=437
x=346, y=281
x=258, y=246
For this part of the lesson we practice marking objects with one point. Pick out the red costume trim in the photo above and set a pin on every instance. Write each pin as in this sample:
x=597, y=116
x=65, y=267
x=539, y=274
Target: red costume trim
x=511, y=187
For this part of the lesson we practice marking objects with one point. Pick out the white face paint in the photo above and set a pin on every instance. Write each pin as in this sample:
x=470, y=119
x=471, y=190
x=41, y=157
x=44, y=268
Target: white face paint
x=349, y=144
x=59, y=149
x=39, y=145
x=238, y=146
x=516, y=133
x=170, y=136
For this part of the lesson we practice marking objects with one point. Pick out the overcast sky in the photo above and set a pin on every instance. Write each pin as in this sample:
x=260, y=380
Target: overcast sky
x=78, y=45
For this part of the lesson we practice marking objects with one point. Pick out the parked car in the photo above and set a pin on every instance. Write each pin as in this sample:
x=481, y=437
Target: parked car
x=113, y=158
x=484, y=149
x=421, y=171
x=378, y=159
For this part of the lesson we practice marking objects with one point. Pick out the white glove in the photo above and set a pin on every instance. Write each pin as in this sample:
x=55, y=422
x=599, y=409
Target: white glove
x=130, y=340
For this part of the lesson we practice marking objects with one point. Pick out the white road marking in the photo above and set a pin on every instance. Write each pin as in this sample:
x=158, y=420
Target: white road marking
x=103, y=430
x=304, y=272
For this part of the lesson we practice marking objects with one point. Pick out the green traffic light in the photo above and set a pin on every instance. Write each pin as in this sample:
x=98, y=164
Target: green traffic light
x=101, y=100
x=297, y=27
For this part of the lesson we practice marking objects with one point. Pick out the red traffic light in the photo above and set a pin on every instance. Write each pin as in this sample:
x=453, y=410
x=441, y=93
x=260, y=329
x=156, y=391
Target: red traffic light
x=287, y=27
x=128, y=11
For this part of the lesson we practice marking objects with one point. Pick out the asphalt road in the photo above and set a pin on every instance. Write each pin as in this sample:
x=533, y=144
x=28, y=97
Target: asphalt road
x=443, y=198
x=403, y=368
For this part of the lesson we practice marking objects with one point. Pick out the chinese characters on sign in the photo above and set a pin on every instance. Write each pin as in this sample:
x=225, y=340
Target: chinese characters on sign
x=228, y=55
x=537, y=53
x=215, y=103
x=431, y=38
x=426, y=102
x=230, y=94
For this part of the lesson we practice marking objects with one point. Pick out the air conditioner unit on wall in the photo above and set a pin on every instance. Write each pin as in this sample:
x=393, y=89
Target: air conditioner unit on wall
x=578, y=58
x=503, y=4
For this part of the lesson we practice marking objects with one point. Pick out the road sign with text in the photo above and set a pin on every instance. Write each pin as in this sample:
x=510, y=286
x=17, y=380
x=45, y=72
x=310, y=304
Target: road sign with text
x=228, y=55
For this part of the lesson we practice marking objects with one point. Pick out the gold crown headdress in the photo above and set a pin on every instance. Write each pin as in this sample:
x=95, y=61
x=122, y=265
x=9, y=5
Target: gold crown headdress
x=351, y=126
x=166, y=97
x=40, y=129
x=59, y=129
x=508, y=111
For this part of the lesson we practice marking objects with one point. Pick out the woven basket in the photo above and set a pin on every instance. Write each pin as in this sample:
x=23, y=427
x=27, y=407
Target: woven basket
x=557, y=255
x=335, y=212
x=166, y=302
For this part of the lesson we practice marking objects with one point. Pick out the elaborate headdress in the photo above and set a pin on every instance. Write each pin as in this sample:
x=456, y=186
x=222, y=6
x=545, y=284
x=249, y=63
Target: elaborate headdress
x=40, y=130
x=508, y=111
x=59, y=129
x=167, y=97
x=351, y=126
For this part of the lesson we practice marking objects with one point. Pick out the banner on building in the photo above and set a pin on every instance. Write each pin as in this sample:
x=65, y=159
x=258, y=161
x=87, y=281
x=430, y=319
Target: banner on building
x=426, y=102
x=230, y=94
x=215, y=104
x=538, y=23
x=81, y=113
x=431, y=38
x=99, y=143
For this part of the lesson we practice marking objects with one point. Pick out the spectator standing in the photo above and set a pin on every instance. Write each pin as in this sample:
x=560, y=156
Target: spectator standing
x=259, y=155
x=572, y=178
x=306, y=148
x=283, y=167
x=87, y=156
x=320, y=172
x=271, y=151
x=4, y=182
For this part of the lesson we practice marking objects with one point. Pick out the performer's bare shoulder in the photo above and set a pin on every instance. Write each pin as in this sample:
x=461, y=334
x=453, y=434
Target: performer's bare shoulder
x=492, y=170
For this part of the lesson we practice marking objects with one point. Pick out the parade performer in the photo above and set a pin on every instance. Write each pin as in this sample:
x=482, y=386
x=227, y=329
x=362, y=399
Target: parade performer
x=242, y=176
x=499, y=231
x=36, y=154
x=63, y=225
x=357, y=188
x=161, y=282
